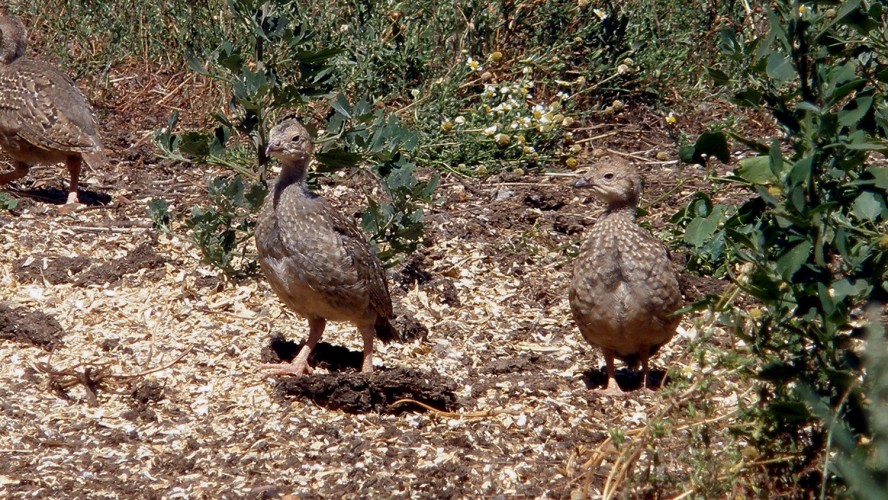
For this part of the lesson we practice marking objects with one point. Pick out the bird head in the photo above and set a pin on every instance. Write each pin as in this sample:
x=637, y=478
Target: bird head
x=13, y=36
x=614, y=181
x=290, y=142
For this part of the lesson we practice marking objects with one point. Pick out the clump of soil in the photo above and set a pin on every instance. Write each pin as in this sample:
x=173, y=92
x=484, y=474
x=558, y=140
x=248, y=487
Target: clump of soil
x=373, y=392
x=30, y=327
x=58, y=270
x=77, y=270
x=142, y=257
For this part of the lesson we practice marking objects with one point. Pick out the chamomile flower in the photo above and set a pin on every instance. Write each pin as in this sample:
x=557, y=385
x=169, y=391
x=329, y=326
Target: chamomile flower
x=489, y=131
x=502, y=139
x=473, y=64
x=446, y=125
x=459, y=120
x=671, y=118
x=602, y=15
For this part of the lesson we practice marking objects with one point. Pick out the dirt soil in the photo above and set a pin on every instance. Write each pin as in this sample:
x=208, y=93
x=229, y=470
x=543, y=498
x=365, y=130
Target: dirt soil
x=129, y=369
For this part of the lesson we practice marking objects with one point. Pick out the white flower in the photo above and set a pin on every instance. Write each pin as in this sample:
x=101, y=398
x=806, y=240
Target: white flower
x=489, y=91
x=473, y=64
x=459, y=120
x=489, y=131
x=414, y=93
x=527, y=70
x=623, y=69
x=562, y=95
x=504, y=90
x=602, y=15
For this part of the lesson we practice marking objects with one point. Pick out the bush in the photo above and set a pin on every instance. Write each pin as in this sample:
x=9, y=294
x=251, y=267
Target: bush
x=810, y=245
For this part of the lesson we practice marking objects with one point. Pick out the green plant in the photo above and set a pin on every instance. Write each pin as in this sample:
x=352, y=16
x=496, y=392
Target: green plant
x=7, y=202
x=810, y=244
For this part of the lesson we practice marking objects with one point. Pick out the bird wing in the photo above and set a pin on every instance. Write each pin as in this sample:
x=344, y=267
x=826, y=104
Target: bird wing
x=314, y=244
x=44, y=107
x=365, y=261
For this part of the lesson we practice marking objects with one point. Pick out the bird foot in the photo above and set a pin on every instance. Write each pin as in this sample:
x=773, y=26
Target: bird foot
x=285, y=370
x=69, y=207
x=612, y=390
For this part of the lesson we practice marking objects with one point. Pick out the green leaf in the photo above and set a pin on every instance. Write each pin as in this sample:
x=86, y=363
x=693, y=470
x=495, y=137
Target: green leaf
x=867, y=206
x=791, y=261
x=881, y=176
x=850, y=117
x=756, y=170
x=341, y=106
x=699, y=231
x=713, y=144
x=780, y=68
x=718, y=76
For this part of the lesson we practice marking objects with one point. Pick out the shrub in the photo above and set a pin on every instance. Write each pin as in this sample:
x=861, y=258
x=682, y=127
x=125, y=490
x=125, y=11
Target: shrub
x=809, y=246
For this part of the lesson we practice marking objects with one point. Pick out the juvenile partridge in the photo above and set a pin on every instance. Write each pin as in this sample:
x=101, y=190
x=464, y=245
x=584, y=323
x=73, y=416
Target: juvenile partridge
x=44, y=119
x=316, y=260
x=624, y=291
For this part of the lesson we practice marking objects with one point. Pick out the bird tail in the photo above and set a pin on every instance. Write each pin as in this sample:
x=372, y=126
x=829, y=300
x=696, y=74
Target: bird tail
x=95, y=159
x=385, y=331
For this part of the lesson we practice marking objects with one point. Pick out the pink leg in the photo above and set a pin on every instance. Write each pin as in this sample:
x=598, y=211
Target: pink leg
x=299, y=366
x=613, y=389
x=20, y=170
x=368, y=334
x=645, y=368
x=73, y=163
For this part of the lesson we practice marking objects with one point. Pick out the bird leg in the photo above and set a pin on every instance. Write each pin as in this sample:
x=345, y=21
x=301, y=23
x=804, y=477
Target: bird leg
x=299, y=366
x=21, y=169
x=368, y=334
x=73, y=163
x=645, y=368
x=613, y=389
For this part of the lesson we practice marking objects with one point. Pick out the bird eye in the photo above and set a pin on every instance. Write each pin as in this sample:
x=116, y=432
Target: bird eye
x=608, y=176
x=296, y=138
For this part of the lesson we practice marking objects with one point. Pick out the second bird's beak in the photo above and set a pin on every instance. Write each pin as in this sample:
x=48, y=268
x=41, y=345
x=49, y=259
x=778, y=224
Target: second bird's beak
x=581, y=183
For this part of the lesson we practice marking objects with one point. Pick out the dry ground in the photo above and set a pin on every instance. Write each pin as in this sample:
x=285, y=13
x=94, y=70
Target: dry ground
x=155, y=389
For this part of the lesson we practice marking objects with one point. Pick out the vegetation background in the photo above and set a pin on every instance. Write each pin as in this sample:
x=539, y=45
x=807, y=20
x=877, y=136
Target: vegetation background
x=405, y=93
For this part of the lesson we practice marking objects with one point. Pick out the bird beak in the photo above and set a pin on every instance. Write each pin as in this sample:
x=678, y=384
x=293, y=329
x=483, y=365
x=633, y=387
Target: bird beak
x=581, y=183
x=272, y=146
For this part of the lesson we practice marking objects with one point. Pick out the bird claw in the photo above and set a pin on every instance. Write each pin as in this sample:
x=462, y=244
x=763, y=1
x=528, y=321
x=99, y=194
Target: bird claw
x=612, y=390
x=285, y=370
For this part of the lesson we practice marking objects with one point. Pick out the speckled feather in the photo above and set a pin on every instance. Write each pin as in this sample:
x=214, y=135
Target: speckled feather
x=624, y=289
x=318, y=261
x=43, y=116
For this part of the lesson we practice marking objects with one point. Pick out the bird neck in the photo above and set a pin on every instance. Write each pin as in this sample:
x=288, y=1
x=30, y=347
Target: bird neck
x=292, y=172
x=12, y=42
x=627, y=210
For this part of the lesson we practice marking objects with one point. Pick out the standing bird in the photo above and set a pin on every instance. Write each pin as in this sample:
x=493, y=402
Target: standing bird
x=316, y=260
x=44, y=119
x=624, y=292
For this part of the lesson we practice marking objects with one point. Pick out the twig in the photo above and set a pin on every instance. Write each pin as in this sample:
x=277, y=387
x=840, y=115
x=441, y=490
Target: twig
x=449, y=414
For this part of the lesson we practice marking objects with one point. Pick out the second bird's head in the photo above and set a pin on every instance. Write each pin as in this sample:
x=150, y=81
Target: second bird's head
x=289, y=142
x=614, y=181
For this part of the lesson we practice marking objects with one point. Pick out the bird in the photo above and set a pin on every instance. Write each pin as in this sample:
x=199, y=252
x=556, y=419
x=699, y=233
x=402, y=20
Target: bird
x=316, y=260
x=44, y=118
x=624, y=292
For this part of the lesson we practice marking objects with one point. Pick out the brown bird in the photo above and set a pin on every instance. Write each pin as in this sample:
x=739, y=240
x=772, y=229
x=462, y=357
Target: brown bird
x=624, y=291
x=316, y=260
x=44, y=119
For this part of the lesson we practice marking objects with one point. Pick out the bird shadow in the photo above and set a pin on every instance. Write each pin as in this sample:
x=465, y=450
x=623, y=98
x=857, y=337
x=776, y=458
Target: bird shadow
x=628, y=380
x=57, y=196
x=326, y=356
x=394, y=391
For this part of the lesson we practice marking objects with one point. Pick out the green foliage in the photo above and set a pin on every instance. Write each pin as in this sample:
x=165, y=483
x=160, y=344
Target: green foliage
x=864, y=463
x=220, y=231
x=284, y=66
x=280, y=66
x=7, y=202
x=159, y=211
x=363, y=135
x=809, y=244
